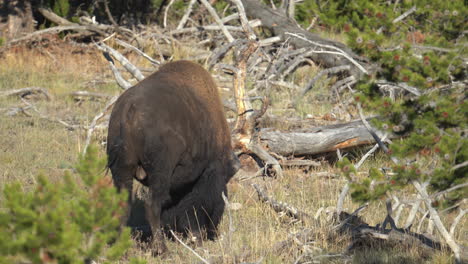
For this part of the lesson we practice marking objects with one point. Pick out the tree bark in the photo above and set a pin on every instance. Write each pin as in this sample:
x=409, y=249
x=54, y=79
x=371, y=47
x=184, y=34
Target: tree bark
x=317, y=140
x=16, y=18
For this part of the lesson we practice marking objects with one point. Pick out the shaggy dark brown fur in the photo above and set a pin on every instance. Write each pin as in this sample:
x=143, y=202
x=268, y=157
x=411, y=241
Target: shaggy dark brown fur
x=169, y=132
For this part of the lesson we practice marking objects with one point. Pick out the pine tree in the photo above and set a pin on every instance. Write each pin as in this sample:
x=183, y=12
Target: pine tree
x=425, y=52
x=70, y=221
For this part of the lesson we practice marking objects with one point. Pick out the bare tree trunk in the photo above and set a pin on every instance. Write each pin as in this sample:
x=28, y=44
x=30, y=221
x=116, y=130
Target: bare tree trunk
x=16, y=18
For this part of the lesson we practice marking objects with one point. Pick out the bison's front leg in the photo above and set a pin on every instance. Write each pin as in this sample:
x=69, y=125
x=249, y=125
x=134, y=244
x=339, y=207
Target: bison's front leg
x=153, y=215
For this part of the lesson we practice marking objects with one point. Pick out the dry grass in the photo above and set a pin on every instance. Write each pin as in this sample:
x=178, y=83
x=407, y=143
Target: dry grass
x=30, y=145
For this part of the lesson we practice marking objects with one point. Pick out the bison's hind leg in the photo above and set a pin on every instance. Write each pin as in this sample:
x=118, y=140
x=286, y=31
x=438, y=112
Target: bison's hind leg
x=200, y=211
x=122, y=176
x=157, y=179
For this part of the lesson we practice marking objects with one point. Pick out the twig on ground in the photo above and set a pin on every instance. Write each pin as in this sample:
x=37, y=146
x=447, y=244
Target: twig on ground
x=370, y=152
x=421, y=221
x=189, y=248
x=457, y=220
x=22, y=92
x=342, y=197
x=339, y=51
x=285, y=84
x=413, y=90
x=404, y=15
x=45, y=117
x=301, y=237
x=399, y=209
x=340, y=85
x=12, y=111
x=421, y=188
x=79, y=94
x=412, y=214
x=93, y=124
x=281, y=206
x=282, y=55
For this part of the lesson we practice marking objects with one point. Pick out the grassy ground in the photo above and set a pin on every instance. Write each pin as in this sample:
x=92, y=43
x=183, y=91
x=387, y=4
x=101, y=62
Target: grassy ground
x=30, y=145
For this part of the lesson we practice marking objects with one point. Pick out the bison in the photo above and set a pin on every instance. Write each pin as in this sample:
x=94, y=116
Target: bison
x=169, y=132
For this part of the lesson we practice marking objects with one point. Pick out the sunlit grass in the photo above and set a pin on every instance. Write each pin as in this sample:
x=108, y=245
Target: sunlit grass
x=31, y=145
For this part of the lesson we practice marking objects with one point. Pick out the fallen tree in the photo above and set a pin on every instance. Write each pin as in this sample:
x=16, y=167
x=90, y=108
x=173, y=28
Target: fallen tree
x=317, y=140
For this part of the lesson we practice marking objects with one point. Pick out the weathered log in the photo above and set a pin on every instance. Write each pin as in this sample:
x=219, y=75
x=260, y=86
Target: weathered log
x=317, y=140
x=279, y=24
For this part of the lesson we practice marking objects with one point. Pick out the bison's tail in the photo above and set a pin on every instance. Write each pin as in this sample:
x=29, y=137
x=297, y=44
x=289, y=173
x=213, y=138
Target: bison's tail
x=116, y=135
x=113, y=150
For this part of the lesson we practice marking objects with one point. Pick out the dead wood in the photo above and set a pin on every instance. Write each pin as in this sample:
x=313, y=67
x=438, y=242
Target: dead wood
x=139, y=52
x=421, y=187
x=279, y=24
x=281, y=207
x=26, y=92
x=51, y=30
x=86, y=27
x=299, y=163
x=361, y=233
x=94, y=123
x=80, y=95
x=45, y=116
x=301, y=237
x=132, y=69
x=51, y=16
x=13, y=111
x=316, y=140
x=244, y=132
x=266, y=158
x=325, y=72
